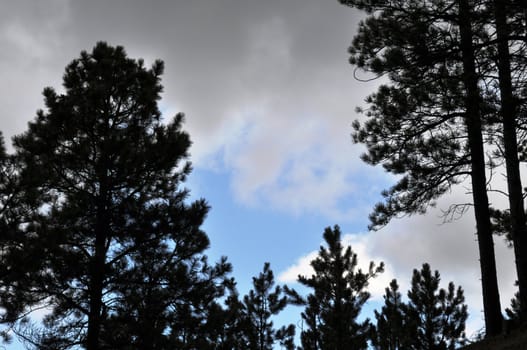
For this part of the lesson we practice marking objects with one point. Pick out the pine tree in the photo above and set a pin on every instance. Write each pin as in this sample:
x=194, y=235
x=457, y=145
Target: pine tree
x=428, y=123
x=390, y=331
x=116, y=231
x=261, y=304
x=436, y=317
x=473, y=122
x=311, y=316
x=167, y=307
x=338, y=294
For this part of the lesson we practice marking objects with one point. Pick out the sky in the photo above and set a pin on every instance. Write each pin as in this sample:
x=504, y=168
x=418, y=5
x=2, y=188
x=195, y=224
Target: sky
x=269, y=98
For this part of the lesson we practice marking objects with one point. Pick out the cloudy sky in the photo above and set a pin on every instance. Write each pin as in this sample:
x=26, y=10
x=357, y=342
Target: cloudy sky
x=269, y=98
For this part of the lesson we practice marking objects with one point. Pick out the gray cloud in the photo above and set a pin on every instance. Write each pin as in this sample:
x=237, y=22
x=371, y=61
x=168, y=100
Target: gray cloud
x=30, y=37
x=268, y=93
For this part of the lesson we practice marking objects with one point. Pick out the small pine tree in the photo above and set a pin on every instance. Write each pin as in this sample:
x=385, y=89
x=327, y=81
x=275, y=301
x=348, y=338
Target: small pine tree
x=436, y=317
x=339, y=292
x=261, y=304
x=389, y=332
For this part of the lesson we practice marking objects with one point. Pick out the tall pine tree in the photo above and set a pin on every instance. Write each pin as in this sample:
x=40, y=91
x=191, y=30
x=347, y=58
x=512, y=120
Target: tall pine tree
x=117, y=234
x=510, y=107
x=428, y=123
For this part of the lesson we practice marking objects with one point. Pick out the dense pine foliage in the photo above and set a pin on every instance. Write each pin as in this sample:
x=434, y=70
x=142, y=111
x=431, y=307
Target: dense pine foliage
x=339, y=291
x=432, y=318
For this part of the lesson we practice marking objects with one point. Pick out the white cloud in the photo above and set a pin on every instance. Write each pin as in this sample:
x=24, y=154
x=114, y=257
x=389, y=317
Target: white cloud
x=297, y=156
x=301, y=267
x=282, y=129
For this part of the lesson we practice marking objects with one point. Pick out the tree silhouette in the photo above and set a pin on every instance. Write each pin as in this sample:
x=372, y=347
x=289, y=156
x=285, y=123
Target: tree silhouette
x=338, y=294
x=261, y=303
x=436, y=317
x=427, y=124
x=433, y=318
x=17, y=265
x=227, y=326
x=391, y=331
x=117, y=232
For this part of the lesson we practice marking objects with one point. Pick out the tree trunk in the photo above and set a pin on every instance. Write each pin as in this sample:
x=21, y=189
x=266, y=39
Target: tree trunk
x=97, y=268
x=96, y=289
x=514, y=184
x=491, y=298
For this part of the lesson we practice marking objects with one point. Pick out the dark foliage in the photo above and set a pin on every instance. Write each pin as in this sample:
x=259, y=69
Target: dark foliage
x=433, y=318
x=17, y=207
x=260, y=305
x=120, y=248
x=391, y=330
x=513, y=312
x=338, y=294
x=429, y=123
x=436, y=317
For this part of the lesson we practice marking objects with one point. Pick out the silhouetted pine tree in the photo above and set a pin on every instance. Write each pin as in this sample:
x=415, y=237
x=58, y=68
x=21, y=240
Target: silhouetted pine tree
x=427, y=123
x=390, y=331
x=261, y=304
x=338, y=294
x=169, y=304
x=435, y=317
x=311, y=337
x=122, y=247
